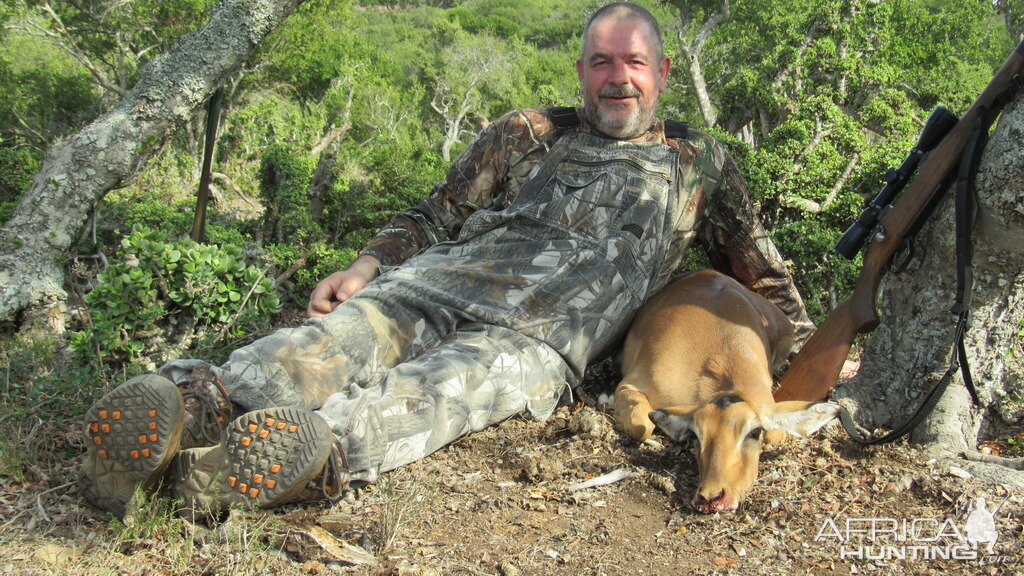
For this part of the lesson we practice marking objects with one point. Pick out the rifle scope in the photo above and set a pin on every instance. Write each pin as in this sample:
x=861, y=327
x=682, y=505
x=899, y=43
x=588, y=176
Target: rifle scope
x=939, y=123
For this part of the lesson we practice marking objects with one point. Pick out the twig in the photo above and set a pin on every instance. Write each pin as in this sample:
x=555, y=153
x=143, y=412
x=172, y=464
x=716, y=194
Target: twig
x=241, y=307
x=42, y=511
x=55, y=488
x=609, y=478
x=11, y=521
x=1011, y=463
x=295, y=267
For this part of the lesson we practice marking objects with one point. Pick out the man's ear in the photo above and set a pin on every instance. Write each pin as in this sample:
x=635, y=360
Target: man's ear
x=676, y=424
x=663, y=69
x=579, y=69
x=801, y=418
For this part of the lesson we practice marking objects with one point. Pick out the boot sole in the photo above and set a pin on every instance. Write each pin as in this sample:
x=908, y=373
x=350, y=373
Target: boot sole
x=268, y=458
x=132, y=434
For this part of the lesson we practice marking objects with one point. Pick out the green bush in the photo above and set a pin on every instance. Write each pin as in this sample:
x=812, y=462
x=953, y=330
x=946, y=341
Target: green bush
x=166, y=295
x=321, y=261
x=284, y=190
x=17, y=165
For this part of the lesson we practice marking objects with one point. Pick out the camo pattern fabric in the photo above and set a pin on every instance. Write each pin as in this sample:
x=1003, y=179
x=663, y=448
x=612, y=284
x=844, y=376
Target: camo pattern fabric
x=396, y=380
x=718, y=214
x=528, y=262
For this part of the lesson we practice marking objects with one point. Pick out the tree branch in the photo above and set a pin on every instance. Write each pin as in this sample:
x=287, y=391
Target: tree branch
x=66, y=41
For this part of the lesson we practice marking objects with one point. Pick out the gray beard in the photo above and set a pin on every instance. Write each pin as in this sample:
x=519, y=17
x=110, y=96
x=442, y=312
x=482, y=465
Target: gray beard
x=638, y=122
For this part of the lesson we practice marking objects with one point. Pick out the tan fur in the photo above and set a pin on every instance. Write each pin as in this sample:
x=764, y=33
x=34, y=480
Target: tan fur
x=703, y=336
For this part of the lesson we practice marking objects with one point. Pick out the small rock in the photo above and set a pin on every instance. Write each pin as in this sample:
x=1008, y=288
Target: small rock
x=535, y=506
x=536, y=468
x=313, y=567
x=508, y=569
x=960, y=473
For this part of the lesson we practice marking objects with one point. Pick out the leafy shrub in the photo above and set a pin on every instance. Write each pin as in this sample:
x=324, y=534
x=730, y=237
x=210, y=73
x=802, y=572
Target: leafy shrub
x=322, y=260
x=17, y=166
x=284, y=190
x=151, y=209
x=166, y=294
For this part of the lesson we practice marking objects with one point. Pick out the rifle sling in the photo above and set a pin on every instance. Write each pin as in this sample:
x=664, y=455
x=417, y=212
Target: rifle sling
x=966, y=213
x=930, y=400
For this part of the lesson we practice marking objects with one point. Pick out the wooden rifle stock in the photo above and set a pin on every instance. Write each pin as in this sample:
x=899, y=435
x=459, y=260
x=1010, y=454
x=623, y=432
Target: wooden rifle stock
x=815, y=369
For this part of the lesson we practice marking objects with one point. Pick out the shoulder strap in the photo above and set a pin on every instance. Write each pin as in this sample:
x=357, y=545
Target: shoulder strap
x=676, y=130
x=564, y=116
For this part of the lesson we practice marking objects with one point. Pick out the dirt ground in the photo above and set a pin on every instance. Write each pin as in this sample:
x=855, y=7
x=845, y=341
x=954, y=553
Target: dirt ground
x=501, y=502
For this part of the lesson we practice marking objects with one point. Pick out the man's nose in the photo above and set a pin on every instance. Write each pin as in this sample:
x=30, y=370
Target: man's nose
x=618, y=73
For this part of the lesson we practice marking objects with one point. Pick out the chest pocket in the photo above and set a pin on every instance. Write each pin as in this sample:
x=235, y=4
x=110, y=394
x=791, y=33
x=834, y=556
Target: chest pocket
x=593, y=200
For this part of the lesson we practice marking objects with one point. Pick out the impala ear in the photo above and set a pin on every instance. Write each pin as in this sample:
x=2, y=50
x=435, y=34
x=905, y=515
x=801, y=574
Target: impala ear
x=801, y=418
x=675, y=424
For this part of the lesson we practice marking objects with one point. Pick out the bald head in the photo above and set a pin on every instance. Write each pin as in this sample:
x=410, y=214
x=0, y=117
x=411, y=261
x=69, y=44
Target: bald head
x=627, y=12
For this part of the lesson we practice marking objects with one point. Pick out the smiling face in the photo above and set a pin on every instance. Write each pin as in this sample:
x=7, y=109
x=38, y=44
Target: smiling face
x=621, y=75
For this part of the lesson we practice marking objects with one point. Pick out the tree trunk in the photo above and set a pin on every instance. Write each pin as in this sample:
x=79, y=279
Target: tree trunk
x=700, y=87
x=911, y=349
x=78, y=171
x=691, y=45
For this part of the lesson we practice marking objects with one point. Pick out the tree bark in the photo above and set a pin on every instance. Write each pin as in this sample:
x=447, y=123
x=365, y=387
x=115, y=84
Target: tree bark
x=911, y=349
x=691, y=45
x=78, y=171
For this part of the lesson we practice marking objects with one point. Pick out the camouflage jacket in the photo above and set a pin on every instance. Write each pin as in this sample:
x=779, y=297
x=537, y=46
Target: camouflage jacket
x=490, y=173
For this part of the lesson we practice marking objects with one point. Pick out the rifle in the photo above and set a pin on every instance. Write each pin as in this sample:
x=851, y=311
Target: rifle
x=815, y=369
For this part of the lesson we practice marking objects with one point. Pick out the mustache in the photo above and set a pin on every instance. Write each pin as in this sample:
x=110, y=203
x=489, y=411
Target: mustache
x=613, y=91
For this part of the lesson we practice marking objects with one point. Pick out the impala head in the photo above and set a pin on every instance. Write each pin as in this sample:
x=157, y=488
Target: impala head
x=728, y=436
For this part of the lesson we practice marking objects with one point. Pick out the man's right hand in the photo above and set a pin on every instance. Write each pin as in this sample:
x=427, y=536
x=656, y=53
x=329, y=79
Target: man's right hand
x=341, y=286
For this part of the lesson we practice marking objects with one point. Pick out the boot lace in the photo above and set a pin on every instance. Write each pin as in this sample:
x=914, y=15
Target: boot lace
x=210, y=417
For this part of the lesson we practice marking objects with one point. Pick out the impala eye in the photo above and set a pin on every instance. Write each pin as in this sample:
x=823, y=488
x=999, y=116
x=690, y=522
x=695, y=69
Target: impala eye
x=755, y=434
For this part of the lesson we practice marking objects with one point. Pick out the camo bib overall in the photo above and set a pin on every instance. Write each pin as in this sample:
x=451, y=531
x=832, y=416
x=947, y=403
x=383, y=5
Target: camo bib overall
x=492, y=323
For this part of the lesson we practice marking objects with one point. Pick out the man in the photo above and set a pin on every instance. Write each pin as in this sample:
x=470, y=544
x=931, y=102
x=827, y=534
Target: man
x=484, y=301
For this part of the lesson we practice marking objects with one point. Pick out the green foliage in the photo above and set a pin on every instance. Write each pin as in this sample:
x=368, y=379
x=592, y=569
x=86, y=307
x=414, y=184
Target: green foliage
x=17, y=166
x=285, y=176
x=46, y=94
x=475, y=23
x=164, y=293
x=322, y=260
x=826, y=94
x=265, y=118
x=31, y=385
x=142, y=207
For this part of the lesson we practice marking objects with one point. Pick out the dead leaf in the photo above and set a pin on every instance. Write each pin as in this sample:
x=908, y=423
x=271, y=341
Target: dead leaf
x=322, y=545
x=56, y=554
x=725, y=561
x=541, y=494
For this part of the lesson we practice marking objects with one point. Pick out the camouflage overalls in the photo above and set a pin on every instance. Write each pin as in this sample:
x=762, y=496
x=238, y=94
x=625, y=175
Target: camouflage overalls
x=525, y=264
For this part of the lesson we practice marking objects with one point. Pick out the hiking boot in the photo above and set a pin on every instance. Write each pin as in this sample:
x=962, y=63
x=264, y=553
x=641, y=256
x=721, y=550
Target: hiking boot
x=132, y=434
x=269, y=457
x=134, y=431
